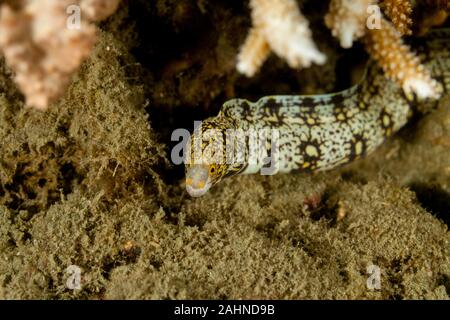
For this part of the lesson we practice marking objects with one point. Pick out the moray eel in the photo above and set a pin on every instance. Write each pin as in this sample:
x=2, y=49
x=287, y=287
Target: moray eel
x=281, y=134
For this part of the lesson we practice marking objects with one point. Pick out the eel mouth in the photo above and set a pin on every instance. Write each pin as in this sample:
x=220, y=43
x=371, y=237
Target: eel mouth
x=197, y=180
x=197, y=192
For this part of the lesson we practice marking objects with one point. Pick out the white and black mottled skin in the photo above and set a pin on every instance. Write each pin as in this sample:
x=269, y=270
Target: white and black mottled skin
x=320, y=132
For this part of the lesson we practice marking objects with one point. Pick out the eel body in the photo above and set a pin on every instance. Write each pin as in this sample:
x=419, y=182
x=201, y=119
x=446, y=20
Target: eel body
x=281, y=134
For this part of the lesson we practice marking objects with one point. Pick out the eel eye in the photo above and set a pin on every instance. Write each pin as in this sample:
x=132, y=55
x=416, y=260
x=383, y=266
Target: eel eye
x=212, y=170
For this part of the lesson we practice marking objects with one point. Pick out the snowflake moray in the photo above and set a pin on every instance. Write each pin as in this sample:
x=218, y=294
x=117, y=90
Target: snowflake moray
x=315, y=132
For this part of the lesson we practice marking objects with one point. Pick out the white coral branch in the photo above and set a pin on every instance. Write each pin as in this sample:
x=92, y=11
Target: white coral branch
x=253, y=53
x=281, y=25
x=399, y=63
x=347, y=20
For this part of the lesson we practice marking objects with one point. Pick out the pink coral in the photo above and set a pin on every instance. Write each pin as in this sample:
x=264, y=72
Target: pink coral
x=44, y=47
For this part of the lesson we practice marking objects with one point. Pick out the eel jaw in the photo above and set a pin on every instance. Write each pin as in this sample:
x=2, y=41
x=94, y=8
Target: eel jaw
x=197, y=192
x=198, y=181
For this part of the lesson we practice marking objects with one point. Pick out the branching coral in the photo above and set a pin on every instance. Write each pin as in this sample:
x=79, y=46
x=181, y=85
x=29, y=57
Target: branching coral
x=347, y=20
x=399, y=63
x=44, y=52
x=280, y=26
x=399, y=12
x=253, y=53
x=44, y=47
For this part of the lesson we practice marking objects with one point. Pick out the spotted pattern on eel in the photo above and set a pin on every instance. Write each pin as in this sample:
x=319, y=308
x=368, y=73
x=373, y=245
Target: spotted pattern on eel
x=315, y=132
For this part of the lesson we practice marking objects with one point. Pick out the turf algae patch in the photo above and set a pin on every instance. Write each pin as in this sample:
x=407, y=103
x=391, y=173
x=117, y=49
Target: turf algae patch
x=65, y=175
x=98, y=137
x=234, y=243
x=110, y=125
x=80, y=231
x=409, y=244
